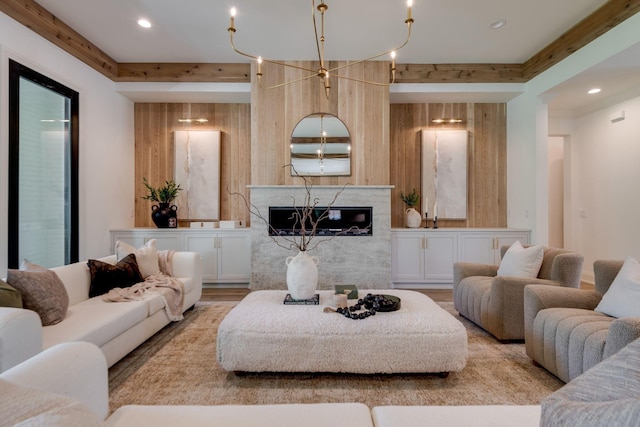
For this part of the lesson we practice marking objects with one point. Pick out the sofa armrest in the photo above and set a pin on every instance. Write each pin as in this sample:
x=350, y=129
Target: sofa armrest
x=74, y=369
x=20, y=336
x=567, y=269
x=506, y=306
x=621, y=332
x=468, y=269
x=188, y=264
x=607, y=394
x=539, y=297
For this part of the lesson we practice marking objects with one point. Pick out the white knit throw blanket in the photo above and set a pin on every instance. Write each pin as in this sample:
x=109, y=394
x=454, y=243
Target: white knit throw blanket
x=170, y=289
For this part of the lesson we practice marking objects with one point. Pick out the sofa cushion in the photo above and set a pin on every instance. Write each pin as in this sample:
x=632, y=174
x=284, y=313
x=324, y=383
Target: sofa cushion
x=41, y=290
x=105, y=276
x=457, y=416
x=287, y=415
x=31, y=407
x=146, y=256
x=623, y=297
x=97, y=321
x=9, y=296
x=521, y=262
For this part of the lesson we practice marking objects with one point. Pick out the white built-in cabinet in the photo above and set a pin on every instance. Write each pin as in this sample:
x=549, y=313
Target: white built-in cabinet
x=424, y=258
x=225, y=253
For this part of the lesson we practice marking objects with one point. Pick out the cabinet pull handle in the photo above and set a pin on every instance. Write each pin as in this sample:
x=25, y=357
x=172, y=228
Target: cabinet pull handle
x=426, y=243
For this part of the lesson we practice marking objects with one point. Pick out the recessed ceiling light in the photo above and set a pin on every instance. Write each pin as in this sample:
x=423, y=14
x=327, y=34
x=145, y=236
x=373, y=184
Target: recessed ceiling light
x=498, y=24
x=144, y=23
x=594, y=90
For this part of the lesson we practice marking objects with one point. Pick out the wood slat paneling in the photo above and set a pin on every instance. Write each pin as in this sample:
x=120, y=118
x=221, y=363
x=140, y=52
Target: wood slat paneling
x=155, y=124
x=486, y=189
x=363, y=108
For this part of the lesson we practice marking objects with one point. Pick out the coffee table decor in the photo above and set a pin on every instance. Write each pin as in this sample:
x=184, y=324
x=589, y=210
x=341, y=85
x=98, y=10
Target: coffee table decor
x=372, y=304
x=289, y=300
x=260, y=334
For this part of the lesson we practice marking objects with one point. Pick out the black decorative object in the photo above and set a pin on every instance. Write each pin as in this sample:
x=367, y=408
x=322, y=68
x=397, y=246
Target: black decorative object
x=426, y=220
x=373, y=304
x=435, y=222
x=164, y=215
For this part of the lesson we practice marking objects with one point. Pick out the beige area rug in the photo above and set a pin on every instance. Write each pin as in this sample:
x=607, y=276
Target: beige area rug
x=178, y=367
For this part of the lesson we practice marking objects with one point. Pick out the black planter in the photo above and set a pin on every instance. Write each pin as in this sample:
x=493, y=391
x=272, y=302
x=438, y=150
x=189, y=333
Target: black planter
x=164, y=215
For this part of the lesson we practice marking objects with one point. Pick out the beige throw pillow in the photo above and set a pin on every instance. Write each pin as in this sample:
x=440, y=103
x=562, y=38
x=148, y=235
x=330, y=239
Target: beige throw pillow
x=521, y=262
x=42, y=291
x=146, y=256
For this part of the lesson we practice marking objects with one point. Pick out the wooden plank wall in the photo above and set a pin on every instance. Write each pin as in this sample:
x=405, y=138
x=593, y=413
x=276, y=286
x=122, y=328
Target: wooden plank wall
x=487, y=160
x=379, y=158
x=363, y=108
x=155, y=124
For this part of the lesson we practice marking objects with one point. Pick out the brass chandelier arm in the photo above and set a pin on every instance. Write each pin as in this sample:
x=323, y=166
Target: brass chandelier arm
x=322, y=72
x=387, y=52
x=236, y=50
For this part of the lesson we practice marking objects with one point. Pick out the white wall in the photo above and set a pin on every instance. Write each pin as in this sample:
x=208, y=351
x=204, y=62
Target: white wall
x=106, y=138
x=605, y=175
x=556, y=193
x=528, y=129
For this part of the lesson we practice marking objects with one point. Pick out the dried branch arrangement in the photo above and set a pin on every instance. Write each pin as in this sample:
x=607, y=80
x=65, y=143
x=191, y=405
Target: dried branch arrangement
x=305, y=219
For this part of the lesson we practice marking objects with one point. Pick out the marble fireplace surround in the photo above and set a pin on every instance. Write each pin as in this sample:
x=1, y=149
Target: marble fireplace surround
x=364, y=261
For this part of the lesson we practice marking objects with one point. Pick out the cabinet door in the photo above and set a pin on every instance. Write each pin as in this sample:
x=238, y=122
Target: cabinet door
x=407, y=257
x=165, y=241
x=440, y=255
x=131, y=238
x=477, y=247
x=507, y=239
x=205, y=244
x=234, y=257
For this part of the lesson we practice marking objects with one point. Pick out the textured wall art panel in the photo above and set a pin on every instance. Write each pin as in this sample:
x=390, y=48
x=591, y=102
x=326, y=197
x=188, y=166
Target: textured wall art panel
x=444, y=173
x=197, y=170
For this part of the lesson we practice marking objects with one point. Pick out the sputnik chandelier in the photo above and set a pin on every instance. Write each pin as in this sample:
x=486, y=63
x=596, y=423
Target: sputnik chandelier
x=323, y=72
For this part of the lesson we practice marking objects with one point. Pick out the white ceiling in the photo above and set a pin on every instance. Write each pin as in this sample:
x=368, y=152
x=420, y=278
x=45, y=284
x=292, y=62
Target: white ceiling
x=444, y=31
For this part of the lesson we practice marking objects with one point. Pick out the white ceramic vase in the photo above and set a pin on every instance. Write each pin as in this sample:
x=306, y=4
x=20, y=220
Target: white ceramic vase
x=412, y=218
x=302, y=275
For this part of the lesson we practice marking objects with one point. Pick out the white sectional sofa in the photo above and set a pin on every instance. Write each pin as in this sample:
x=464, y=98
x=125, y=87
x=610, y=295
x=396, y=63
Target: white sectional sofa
x=67, y=385
x=116, y=327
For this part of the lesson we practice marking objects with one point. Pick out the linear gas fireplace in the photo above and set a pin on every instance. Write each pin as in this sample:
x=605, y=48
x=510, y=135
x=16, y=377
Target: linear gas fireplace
x=361, y=261
x=339, y=221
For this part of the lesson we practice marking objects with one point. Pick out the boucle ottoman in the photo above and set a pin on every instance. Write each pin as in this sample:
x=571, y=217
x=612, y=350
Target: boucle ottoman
x=261, y=334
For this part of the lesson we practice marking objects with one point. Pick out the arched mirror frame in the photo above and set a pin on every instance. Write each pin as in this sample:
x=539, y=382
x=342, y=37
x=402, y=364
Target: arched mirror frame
x=320, y=146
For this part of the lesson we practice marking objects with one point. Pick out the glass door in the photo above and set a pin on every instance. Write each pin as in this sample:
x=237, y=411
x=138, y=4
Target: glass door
x=43, y=170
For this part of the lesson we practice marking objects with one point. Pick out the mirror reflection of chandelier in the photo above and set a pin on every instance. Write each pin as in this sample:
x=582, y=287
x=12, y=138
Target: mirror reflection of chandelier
x=323, y=72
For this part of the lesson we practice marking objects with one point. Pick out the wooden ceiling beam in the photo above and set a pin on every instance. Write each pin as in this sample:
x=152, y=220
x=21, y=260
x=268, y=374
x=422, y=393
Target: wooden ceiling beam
x=33, y=16
x=184, y=72
x=459, y=73
x=590, y=28
x=42, y=22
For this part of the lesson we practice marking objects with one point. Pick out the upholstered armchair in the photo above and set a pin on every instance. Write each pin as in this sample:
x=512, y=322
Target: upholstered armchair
x=565, y=335
x=496, y=303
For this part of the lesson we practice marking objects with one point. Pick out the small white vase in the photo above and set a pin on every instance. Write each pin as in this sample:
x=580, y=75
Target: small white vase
x=412, y=218
x=302, y=275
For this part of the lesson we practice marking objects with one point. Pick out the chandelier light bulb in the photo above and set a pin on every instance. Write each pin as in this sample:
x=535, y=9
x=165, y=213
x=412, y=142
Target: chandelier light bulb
x=233, y=16
x=409, y=4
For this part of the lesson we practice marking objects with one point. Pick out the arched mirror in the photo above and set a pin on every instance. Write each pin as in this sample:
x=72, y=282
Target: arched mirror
x=320, y=145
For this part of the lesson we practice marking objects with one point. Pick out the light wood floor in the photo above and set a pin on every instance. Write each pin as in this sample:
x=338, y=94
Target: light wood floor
x=236, y=294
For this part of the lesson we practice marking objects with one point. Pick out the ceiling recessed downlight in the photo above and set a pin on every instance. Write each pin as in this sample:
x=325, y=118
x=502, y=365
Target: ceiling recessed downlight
x=144, y=23
x=498, y=24
x=594, y=90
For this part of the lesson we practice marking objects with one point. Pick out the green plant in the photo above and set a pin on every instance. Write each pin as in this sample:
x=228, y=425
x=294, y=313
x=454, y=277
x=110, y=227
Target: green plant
x=410, y=199
x=165, y=194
